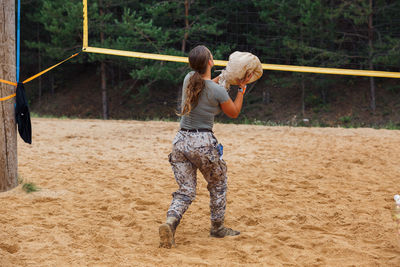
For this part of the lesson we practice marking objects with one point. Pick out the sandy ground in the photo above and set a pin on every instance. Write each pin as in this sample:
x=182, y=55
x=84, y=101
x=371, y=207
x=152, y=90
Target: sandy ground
x=300, y=196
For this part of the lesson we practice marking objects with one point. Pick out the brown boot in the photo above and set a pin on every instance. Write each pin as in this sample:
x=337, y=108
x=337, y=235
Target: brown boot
x=219, y=230
x=167, y=232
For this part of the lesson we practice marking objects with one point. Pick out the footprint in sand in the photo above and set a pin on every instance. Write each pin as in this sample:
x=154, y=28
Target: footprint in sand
x=251, y=222
x=117, y=217
x=10, y=248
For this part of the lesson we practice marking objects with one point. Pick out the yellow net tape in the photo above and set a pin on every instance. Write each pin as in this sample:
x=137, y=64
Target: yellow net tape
x=369, y=73
x=85, y=24
x=265, y=66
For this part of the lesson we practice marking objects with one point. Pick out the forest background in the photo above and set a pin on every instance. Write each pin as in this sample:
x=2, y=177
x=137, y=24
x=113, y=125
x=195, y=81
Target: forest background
x=357, y=34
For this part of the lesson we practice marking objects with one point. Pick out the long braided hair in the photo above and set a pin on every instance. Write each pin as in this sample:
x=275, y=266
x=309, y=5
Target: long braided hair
x=198, y=60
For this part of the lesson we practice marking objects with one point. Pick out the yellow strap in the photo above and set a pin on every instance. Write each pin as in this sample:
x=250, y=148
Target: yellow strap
x=135, y=54
x=10, y=96
x=371, y=73
x=34, y=76
x=7, y=97
x=8, y=82
x=40, y=73
x=46, y=70
x=265, y=66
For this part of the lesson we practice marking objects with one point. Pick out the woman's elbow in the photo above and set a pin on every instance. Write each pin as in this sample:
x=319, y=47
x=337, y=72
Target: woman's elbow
x=230, y=110
x=233, y=115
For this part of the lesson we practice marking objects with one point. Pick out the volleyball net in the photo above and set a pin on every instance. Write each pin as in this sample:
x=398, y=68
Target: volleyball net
x=87, y=23
x=126, y=29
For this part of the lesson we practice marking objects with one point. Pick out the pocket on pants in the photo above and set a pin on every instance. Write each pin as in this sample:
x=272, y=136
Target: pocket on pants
x=212, y=154
x=223, y=165
x=177, y=138
x=176, y=156
x=215, y=162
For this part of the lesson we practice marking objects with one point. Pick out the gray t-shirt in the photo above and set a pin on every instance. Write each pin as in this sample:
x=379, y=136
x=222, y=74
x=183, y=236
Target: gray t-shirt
x=202, y=116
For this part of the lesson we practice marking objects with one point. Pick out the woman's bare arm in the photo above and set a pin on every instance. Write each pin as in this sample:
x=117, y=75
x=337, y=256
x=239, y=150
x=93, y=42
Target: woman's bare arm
x=233, y=108
x=216, y=79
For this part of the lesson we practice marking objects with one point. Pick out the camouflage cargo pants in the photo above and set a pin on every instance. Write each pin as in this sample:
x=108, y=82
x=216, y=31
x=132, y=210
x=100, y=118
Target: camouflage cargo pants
x=192, y=151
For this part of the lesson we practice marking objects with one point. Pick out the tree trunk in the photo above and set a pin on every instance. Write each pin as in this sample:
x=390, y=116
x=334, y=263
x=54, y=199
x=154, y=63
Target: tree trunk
x=104, y=90
x=179, y=101
x=266, y=96
x=303, y=86
x=103, y=73
x=187, y=26
x=370, y=55
x=52, y=85
x=39, y=66
x=303, y=94
x=8, y=130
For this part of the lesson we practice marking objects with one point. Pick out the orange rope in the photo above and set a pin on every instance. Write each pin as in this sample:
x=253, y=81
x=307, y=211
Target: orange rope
x=10, y=96
x=46, y=70
x=7, y=97
x=33, y=77
x=8, y=82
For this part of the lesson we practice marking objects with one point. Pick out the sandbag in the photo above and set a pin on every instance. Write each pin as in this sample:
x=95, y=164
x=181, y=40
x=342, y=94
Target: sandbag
x=239, y=65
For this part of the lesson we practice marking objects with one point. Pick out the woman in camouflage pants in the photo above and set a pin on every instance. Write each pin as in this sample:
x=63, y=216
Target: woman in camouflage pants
x=195, y=146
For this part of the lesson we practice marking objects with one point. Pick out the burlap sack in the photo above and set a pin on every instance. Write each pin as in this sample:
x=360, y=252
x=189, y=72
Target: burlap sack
x=239, y=65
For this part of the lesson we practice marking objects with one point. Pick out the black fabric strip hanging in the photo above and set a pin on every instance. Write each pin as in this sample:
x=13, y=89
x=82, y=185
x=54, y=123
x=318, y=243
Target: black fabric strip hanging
x=22, y=115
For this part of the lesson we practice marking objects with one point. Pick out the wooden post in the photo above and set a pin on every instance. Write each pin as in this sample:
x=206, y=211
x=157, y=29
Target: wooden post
x=103, y=73
x=187, y=26
x=8, y=130
x=370, y=55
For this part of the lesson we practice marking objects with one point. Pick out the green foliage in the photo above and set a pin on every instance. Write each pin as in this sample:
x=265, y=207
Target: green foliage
x=313, y=100
x=62, y=20
x=306, y=30
x=317, y=33
x=30, y=187
x=345, y=119
x=392, y=126
x=393, y=88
